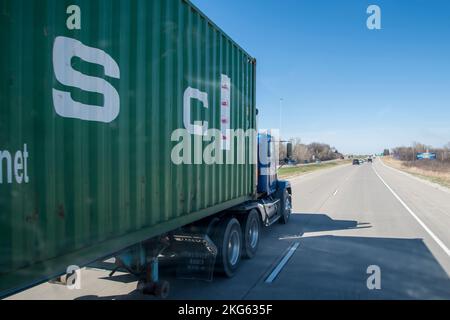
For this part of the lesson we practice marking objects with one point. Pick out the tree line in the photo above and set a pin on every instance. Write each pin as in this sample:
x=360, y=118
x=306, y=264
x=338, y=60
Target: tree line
x=410, y=153
x=299, y=152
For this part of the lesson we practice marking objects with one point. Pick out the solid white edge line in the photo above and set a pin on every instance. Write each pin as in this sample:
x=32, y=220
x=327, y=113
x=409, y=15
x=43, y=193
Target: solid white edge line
x=407, y=174
x=435, y=238
x=282, y=263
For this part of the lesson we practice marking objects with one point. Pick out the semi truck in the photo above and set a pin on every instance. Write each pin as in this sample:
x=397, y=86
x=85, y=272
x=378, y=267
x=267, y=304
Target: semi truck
x=129, y=129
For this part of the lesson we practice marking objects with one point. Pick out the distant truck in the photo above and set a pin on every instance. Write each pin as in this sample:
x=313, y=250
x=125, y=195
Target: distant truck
x=128, y=129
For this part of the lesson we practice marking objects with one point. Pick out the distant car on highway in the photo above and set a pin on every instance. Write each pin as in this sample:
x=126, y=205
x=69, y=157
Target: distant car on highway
x=356, y=162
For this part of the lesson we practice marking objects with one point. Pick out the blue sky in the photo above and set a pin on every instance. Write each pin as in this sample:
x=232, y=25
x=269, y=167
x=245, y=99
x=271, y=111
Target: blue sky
x=356, y=89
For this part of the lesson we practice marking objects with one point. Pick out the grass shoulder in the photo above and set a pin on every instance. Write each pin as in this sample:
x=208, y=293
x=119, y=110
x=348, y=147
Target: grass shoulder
x=293, y=171
x=426, y=170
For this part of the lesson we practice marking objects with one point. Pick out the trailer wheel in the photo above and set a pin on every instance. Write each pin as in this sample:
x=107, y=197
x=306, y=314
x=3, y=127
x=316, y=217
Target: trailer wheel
x=251, y=228
x=286, y=205
x=228, y=239
x=162, y=289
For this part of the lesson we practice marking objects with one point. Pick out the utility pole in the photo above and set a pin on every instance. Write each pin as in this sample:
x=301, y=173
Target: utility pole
x=281, y=110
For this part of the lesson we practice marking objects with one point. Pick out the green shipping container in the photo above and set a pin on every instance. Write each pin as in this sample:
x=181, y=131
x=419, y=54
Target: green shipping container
x=91, y=92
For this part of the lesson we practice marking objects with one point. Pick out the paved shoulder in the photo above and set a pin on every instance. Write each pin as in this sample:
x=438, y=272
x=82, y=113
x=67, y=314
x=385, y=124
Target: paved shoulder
x=428, y=205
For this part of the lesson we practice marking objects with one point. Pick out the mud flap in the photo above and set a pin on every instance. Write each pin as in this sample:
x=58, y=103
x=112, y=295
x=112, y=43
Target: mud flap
x=196, y=256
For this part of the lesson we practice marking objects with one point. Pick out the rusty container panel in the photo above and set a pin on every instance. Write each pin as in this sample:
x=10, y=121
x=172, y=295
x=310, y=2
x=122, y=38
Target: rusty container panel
x=91, y=92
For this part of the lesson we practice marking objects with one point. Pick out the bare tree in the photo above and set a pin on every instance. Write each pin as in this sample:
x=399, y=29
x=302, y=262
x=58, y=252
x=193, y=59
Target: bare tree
x=301, y=153
x=447, y=146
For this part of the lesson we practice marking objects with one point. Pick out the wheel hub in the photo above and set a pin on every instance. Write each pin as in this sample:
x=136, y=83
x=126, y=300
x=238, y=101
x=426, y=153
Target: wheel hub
x=253, y=234
x=234, y=248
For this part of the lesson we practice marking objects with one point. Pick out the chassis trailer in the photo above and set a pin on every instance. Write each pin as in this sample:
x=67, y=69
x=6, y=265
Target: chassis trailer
x=128, y=128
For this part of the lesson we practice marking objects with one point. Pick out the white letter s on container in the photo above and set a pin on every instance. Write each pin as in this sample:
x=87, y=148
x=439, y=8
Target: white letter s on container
x=64, y=49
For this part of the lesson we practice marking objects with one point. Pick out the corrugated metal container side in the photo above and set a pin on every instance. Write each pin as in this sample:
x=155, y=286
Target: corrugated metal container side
x=76, y=190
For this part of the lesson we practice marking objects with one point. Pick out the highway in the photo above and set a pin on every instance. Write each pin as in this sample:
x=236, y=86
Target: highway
x=346, y=219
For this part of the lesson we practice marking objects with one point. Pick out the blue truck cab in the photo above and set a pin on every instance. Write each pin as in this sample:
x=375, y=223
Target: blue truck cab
x=267, y=164
x=274, y=194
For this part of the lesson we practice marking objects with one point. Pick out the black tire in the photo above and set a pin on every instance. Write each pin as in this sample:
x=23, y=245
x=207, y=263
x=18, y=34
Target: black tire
x=286, y=207
x=162, y=290
x=251, y=230
x=228, y=239
x=159, y=289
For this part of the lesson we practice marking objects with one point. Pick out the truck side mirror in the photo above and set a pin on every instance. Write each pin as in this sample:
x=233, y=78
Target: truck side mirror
x=289, y=150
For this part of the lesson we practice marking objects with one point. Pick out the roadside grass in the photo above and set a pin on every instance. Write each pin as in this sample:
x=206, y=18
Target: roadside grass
x=290, y=172
x=437, y=174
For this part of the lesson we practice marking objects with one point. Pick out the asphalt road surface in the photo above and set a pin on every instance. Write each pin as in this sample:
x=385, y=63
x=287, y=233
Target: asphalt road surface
x=347, y=221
